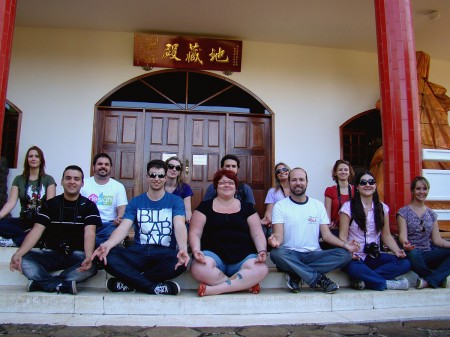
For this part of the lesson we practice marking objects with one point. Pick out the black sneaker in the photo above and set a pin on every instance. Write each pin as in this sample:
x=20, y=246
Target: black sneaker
x=357, y=284
x=293, y=282
x=33, y=286
x=67, y=287
x=167, y=288
x=116, y=286
x=327, y=285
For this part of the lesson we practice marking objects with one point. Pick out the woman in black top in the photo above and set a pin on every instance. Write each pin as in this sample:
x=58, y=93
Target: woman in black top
x=227, y=242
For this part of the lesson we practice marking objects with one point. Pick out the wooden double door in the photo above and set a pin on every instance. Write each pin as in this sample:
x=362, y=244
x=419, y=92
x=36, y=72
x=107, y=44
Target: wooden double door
x=133, y=137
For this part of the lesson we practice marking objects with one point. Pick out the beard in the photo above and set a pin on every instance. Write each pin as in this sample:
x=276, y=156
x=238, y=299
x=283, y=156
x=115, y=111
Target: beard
x=298, y=191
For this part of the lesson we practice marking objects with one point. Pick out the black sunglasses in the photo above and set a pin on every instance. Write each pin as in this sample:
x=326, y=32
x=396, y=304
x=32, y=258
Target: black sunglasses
x=423, y=227
x=154, y=175
x=363, y=182
x=171, y=167
x=283, y=169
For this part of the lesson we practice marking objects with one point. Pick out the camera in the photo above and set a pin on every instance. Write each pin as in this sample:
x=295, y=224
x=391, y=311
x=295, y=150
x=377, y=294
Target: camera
x=29, y=214
x=372, y=249
x=64, y=248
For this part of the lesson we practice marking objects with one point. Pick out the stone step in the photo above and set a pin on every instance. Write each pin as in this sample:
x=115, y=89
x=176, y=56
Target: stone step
x=270, y=301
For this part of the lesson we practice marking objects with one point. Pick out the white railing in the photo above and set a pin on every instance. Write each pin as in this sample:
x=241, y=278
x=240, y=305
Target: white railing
x=439, y=180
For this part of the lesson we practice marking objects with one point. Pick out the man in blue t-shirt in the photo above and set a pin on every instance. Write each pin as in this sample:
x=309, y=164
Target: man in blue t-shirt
x=159, y=251
x=243, y=192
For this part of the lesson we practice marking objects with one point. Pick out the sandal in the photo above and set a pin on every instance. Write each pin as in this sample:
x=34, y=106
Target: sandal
x=256, y=289
x=201, y=289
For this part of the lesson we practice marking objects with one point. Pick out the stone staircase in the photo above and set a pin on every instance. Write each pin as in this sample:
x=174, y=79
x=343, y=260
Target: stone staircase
x=273, y=305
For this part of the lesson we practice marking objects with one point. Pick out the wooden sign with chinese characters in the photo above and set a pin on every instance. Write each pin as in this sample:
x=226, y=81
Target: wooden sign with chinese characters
x=187, y=52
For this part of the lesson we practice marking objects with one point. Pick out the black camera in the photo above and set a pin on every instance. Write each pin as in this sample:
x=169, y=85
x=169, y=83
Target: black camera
x=29, y=214
x=64, y=248
x=372, y=249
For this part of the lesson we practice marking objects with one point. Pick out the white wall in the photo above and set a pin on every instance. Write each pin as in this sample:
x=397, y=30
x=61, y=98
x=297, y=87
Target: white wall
x=57, y=76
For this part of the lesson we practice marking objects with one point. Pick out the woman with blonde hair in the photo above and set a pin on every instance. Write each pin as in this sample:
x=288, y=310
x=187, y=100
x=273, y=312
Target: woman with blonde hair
x=175, y=184
x=279, y=192
x=31, y=187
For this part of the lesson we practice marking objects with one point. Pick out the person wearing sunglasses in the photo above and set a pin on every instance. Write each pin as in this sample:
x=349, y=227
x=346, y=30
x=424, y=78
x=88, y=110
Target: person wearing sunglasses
x=159, y=252
x=228, y=245
x=418, y=228
x=175, y=184
x=336, y=195
x=365, y=219
x=278, y=192
x=243, y=192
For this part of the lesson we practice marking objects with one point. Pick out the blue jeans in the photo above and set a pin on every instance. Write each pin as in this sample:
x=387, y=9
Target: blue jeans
x=141, y=267
x=104, y=232
x=13, y=228
x=38, y=264
x=309, y=265
x=432, y=265
x=228, y=269
x=375, y=272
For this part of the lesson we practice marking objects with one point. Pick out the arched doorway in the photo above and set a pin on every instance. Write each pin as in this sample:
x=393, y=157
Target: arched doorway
x=361, y=136
x=196, y=115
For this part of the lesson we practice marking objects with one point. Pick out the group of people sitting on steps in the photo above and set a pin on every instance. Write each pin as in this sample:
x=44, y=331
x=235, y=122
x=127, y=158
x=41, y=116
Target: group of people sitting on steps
x=84, y=228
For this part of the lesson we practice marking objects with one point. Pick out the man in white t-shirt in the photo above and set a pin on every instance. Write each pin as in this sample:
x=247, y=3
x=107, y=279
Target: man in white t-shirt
x=297, y=222
x=108, y=194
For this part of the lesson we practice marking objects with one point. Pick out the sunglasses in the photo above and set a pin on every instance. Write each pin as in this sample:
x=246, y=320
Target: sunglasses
x=154, y=175
x=171, y=167
x=423, y=227
x=363, y=182
x=283, y=169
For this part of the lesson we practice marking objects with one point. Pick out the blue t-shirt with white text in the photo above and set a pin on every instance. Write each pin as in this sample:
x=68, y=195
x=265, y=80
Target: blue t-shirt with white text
x=153, y=220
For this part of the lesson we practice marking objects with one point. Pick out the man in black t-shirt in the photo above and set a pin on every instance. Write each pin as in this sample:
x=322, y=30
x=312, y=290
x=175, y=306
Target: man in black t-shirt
x=66, y=226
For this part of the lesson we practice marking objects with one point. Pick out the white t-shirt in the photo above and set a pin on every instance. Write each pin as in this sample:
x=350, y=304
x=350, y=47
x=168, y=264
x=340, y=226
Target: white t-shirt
x=274, y=195
x=107, y=197
x=301, y=223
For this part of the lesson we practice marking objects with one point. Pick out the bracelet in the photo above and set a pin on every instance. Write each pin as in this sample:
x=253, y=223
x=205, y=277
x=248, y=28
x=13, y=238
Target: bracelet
x=262, y=250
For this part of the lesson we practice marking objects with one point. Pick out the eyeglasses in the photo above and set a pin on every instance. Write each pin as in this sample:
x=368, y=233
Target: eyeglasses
x=159, y=175
x=363, y=182
x=226, y=182
x=283, y=169
x=171, y=167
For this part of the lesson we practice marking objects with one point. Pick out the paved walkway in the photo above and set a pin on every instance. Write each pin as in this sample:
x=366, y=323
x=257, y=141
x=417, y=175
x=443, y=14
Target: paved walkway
x=428, y=328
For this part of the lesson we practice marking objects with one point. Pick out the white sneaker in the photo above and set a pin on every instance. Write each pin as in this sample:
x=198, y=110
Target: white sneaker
x=400, y=284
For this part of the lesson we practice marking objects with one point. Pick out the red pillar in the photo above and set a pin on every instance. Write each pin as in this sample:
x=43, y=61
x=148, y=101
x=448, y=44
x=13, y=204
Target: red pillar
x=7, y=19
x=399, y=101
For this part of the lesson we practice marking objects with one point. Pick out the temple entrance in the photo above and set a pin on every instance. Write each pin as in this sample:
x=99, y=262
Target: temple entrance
x=144, y=120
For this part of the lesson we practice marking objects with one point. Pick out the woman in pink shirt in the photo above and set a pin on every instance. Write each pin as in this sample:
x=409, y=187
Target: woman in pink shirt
x=365, y=219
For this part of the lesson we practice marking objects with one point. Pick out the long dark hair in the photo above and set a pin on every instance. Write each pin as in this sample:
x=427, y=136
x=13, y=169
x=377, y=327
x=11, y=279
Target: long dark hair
x=357, y=207
x=26, y=165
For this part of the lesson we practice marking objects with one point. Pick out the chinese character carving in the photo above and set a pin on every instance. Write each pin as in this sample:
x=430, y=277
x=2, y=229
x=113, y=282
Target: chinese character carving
x=194, y=53
x=171, y=51
x=218, y=56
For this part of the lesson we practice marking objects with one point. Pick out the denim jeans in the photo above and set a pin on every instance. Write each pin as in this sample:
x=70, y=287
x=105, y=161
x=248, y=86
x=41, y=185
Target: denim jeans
x=228, y=269
x=309, y=265
x=375, y=272
x=432, y=265
x=104, y=232
x=141, y=267
x=13, y=228
x=38, y=264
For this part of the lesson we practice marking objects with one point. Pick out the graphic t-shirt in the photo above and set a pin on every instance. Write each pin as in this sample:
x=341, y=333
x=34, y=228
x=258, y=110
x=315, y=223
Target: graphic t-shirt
x=153, y=220
x=107, y=197
x=32, y=195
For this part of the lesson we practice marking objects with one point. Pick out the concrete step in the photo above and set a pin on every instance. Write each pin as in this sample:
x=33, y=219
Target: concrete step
x=270, y=301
